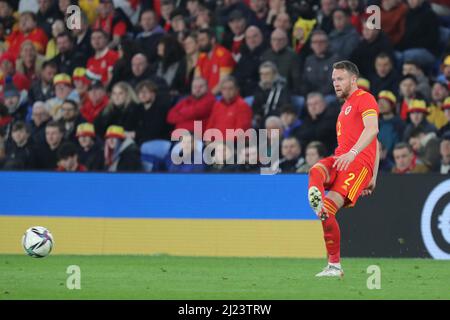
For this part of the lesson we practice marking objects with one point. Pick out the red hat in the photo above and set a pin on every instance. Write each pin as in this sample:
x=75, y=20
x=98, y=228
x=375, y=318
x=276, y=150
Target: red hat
x=7, y=56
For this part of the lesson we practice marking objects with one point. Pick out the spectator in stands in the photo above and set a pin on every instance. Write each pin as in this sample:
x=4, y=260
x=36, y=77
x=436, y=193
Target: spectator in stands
x=344, y=38
x=82, y=37
x=196, y=107
x=46, y=153
x=16, y=102
x=286, y=60
x=318, y=66
x=423, y=83
x=29, y=62
x=385, y=77
x=113, y=21
x=189, y=150
x=68, y=159
x=393, y=17
x=357, y=12
x=363, y=84
x=270, y=95
x=8, y=72
x=27, y=30
x=291, y=122
x=47, y=14
x=70, y=119
x=325, y=15
x=406, y=161
x=215, y=62
x=408, y=92
x=301, y=38
x=439, y=94
x=231, y=111
x=120, y=152
x=96, y=101
x=283, y=22
x=81, y=83
x=191, y=50
x=63, y=91
x=417, y=112
x=291, y=153
x=20, y=152
x=421, y=38
x=445, y=69
x=167, y=7
x=260, y=9
x=374, y=41
x=390, y=125
x=51, y=50
x=141, y=71
x=233, y=41
x=446, y=108
x=152, y=113
x=171, y=64
x=319, y=121
x=102, y=62
x=426, y=147
x=42, y=88
x=90, y=153
x=247, y=69
x=6, y=122
x=7, y=18
x=315, y=151
x=444, y=150
x=121, y=110
x=68, y=57
x=223, y=158
x=39, y=119
x=150, y=34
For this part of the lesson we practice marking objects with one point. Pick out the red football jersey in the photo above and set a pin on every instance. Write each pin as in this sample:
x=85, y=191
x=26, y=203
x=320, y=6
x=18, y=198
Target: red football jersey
x=209, y=68
x=103, y=65
x=350, y=126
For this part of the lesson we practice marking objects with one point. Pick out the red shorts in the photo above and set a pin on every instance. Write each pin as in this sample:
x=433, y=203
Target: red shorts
x=349, y=183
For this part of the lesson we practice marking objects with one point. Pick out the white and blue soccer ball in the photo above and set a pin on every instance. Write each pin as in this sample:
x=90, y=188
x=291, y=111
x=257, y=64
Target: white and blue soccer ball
x=38, y=242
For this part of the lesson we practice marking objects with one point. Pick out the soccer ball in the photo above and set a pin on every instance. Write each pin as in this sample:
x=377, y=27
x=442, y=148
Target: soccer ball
x=37, y=242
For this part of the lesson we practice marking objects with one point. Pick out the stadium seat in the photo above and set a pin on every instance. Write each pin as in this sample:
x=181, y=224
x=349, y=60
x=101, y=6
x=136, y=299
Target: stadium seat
x=153, y=154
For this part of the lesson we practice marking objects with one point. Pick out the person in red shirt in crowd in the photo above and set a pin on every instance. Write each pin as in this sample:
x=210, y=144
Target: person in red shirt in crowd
x=95, y=103
x=104, y=58
x=196, y=107
x=28, y=30
x=8, y=73
x=214, y=62
x=68, y=158
x=113, y=21
x=230, y=112
x=167, y=7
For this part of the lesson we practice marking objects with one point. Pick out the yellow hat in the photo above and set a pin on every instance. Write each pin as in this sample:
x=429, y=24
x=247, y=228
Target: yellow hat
x=62, y=78
x=115, y=132
x=388, y=95
x=85, y=130
x=447, y=60
x=363, y=84
x=446, y=104
x=417, y=105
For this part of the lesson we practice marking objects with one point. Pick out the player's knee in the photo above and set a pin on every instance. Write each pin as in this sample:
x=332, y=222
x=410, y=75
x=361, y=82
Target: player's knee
x=319, y=170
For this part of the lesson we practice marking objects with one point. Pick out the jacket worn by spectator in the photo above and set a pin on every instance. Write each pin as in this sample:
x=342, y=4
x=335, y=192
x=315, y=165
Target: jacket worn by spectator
x=46, y=158
x=126, y=158
x=247, y=69
x=425, y=125
x=20, y=158
x=421, y=29
x=191, y=109
x=125, y=117
x=152, y=120
x=39, y=92
x=393, y=22
x=93, y=159
x=67, y=62
x=389, y=82
x=235, y=114
x=390, y=132
x=269, y=101
x=90, y=111
x=288, y=64
x=344, y=42
x=149, y=42
x=317, y=73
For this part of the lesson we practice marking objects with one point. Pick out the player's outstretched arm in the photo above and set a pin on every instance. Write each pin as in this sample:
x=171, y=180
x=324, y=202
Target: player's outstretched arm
x=369, y=133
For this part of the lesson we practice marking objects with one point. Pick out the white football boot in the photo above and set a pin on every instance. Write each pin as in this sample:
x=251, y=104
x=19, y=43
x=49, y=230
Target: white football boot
x=331, y=271
x=316, y=202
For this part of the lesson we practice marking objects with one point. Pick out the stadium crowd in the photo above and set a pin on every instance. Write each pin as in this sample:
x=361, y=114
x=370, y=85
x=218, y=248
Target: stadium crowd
x=107, y=94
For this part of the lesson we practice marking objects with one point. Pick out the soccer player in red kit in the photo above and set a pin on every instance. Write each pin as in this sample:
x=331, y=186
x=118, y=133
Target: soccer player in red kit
x=352, y=170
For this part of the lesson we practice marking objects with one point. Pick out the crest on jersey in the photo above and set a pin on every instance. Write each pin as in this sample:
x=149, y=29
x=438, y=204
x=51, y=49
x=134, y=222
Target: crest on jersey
x=347, y=110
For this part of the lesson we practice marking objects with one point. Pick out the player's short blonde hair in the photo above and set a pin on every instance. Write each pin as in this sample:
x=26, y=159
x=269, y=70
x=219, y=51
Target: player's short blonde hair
x=347, y=65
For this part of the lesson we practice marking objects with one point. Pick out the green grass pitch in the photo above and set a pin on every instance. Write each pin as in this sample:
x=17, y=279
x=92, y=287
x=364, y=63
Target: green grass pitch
x=170, y=277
